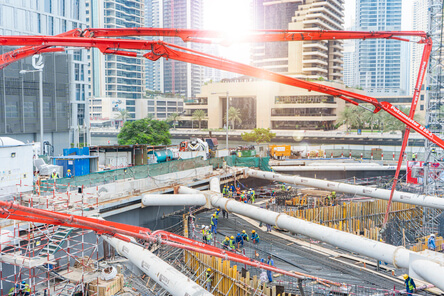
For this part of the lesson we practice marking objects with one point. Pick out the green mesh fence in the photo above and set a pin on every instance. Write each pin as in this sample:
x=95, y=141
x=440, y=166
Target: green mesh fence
x=136, y=172
x=257, y=162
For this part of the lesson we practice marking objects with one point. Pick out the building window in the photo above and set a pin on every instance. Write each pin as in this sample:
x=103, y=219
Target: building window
x=421, y=107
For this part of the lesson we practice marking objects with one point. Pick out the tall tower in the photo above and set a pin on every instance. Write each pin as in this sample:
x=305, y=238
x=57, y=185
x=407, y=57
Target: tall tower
x=379, y=60
x=306, y=59
x=174, y=76
x=154, y=69
x=114, y=76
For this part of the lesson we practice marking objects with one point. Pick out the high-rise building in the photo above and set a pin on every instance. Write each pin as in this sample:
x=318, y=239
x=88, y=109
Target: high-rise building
x=114, y=76
x=349, y=62
x=379, y=60
x=174, y=76
x=154, y=69
x=306, y=59
x=52, y=18
x=420, y=23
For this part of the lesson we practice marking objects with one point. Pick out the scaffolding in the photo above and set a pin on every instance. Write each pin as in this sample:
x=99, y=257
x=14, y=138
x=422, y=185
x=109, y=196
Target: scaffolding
x=50, y=259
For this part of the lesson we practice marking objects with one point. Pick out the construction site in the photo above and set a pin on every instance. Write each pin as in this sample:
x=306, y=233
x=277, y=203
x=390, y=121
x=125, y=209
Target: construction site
x=232, y=224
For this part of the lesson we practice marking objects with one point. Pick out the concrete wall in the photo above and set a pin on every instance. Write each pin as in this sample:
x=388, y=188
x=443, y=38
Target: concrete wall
x=16, y=167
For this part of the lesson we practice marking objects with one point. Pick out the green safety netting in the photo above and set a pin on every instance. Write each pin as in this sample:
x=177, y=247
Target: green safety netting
x=257, y=162
x=136, y=172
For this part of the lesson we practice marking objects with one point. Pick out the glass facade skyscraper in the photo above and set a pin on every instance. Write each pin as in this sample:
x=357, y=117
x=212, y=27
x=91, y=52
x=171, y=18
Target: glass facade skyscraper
x=52, y=17
x=379, y=60
x=174, y=76
x=115, y=76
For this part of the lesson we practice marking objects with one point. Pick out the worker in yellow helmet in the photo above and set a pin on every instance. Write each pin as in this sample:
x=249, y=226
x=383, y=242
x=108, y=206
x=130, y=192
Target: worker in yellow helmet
x=254, y=237
x=208, y=279
x=409, y=284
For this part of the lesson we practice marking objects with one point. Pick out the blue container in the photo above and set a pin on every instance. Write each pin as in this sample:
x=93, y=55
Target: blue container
x=78, y=164
x=162, y=155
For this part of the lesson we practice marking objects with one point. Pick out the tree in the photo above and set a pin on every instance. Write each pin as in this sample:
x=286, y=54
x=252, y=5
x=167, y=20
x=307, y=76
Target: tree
x=390, y=123
x=347, y=116
x=123, y=115
x=145, y=131
x=234, y=115
x=173, y=118
x=199, y=115
x=258, y=135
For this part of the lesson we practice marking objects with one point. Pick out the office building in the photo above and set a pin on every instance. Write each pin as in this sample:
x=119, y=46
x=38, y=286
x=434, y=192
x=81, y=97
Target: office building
x=50, y=18
x=169, y=76
x=114, y=76
x=306, y=59
x=379, y=60
x=265, y=104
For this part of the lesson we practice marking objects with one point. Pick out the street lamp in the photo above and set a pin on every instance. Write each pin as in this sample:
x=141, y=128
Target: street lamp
x=226, y=137
x=38, y=65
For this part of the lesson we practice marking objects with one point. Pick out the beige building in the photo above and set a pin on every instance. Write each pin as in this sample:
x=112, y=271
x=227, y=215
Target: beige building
x=322, y=58
x=265, y=104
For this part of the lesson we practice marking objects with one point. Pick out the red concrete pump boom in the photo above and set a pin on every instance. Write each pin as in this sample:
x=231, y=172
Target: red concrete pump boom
x=9, y=210
x=90, y=38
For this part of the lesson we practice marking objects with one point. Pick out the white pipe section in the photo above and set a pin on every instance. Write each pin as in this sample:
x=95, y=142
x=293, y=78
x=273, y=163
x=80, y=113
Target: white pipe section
x=164, y=274
x=173, y=199
x=380, y=251
x=408, y=198
x=333, y=168
x=360, y=164
x=430, y=271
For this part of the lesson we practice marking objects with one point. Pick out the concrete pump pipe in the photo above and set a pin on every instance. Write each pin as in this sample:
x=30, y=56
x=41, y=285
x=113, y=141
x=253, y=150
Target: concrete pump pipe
x=403, y=197
x=430, y=271
x=381, y=251
x=174, y=199
x=164, y=274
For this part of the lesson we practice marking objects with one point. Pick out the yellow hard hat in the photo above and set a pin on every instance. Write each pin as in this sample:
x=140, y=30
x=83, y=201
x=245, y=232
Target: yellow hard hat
x=69, y=170
x=232, y=237
x=227, y=237
x=253, y=231
x=243, y=231
x=214, y=215
x=218, y=209
x=209, y=269
x=405, y=276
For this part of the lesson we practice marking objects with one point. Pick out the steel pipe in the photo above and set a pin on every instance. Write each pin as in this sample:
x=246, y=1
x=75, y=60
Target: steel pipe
x=161, y=272
x=403, y=197
x=173, y=199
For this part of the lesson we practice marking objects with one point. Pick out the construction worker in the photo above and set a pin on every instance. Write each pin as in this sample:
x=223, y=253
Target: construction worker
x=245, y=236
x=253, y=195
x=224, y=190
x=217, y=213
x=204, y=234
x=226, y=243
x=333, y=195
x=26, y=290
x=283, y=186
x=68, y=174
x=238, y=192
x=208, y=235
x=239, y=241
x=249, y=195
x=54, y=175
x=214, y=224
x=208, y=279
x=409, y=284
x=254, y=237
x=431, y=242
x=242, y=197
x=232, y=243
x=269, y=274
x=224, y=213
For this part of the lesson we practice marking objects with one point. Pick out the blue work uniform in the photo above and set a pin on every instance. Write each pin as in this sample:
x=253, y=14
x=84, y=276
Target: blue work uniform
x=269, y=274
x=239, y=241
x=214, y=225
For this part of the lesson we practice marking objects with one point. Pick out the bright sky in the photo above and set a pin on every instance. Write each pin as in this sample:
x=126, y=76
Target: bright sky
x=233, y=16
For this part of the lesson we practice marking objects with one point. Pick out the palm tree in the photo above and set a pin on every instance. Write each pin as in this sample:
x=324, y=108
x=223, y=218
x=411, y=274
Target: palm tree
x=234, y=115
x=123, y=115
x=174, y=117
x=346, y=116
x=199, y=115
